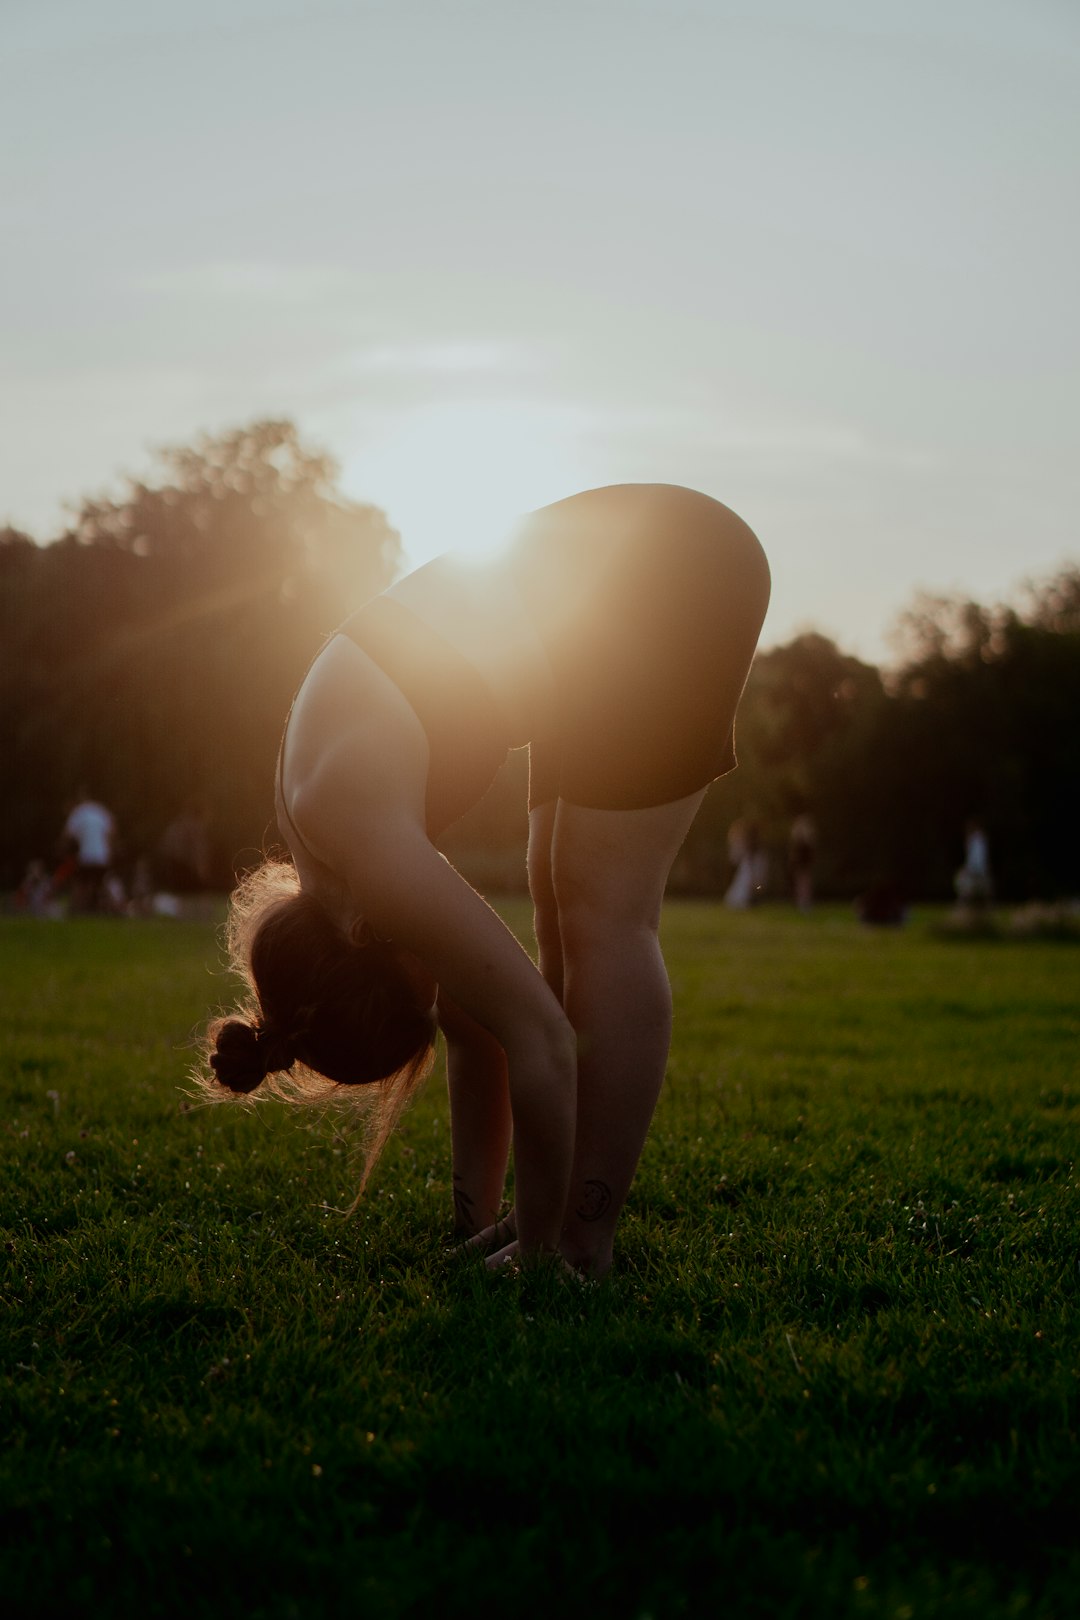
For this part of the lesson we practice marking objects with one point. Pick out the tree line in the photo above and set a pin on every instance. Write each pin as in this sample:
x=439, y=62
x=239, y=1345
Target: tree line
x=978, y=723
x=149, y=655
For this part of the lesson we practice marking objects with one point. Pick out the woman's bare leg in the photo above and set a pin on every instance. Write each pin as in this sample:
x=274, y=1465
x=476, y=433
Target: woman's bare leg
x=608, y=870
x=542, y=890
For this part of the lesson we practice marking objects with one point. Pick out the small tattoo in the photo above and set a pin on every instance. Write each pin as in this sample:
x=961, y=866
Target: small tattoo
x=463, y=1207
x=597, y=1201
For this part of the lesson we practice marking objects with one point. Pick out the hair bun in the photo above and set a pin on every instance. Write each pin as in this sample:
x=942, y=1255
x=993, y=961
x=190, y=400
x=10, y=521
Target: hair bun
x=246, y=1053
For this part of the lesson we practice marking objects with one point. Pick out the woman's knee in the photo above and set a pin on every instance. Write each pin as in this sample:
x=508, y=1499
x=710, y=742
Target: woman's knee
x=598, y=912
x=609, y=868
x=597, y=892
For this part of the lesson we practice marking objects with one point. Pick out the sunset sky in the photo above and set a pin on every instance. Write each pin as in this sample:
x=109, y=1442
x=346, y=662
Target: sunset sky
x=821, y=260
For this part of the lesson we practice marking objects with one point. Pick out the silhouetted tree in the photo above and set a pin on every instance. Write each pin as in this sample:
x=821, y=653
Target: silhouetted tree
x=806, y=718
x=983, y=722
x=979, y=721
x=151, y=652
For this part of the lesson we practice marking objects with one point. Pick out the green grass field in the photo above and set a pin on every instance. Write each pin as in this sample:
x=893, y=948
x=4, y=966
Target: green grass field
x=834, y=1373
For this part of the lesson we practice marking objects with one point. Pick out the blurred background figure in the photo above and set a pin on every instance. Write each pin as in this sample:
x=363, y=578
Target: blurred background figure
x=114, y=898
x=90, y=834
x=140, y=900
x=35, y=896
x=802, y=842
x=145, y=899
x=183, y=853
x=973, y=882
x=751, y=866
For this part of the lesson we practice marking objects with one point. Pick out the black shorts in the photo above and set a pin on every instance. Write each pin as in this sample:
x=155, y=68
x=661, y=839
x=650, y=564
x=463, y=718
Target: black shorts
x=647, y=674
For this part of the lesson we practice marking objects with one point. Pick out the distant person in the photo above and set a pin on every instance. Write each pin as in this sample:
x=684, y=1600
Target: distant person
x=35, y=895
x=184, y=851
x=751, y=866
x=114, y=896
x=140, y=900
x=64, y=874
x=973, y=882
x=802, y=848
x=613, y=635
x=91, y=830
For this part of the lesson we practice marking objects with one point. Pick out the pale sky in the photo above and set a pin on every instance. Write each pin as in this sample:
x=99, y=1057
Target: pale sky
x=821, y=260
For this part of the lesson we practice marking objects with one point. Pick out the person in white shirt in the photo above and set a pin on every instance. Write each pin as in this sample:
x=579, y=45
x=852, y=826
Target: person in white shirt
x=91, y=828
x=974, y=883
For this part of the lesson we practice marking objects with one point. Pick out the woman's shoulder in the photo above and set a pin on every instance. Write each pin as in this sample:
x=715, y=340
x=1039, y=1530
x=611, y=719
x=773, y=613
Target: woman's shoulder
x=353, y=752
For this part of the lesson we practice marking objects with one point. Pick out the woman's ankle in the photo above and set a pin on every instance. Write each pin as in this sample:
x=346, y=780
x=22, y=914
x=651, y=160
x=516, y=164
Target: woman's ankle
x=590, y=1260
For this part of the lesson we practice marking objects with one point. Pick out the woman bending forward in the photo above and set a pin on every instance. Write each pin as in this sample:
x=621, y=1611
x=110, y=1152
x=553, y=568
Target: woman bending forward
x=613, y=636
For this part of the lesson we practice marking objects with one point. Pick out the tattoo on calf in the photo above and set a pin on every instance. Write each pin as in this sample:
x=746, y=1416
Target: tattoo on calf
x=596, y=1202
x=464, y=1220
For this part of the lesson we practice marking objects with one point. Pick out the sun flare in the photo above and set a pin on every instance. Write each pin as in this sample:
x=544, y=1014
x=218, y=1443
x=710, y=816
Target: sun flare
x=455, y=477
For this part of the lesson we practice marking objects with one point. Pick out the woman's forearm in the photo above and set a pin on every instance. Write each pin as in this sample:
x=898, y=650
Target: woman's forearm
x=480, y=1127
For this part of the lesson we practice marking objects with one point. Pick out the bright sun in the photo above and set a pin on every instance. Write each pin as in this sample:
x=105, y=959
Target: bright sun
x=454, y=477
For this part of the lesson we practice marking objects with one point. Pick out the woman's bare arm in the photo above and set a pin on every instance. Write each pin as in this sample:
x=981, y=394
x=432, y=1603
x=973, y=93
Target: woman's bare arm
x=358, y=798
x=411, y=895
x=480, y=1124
